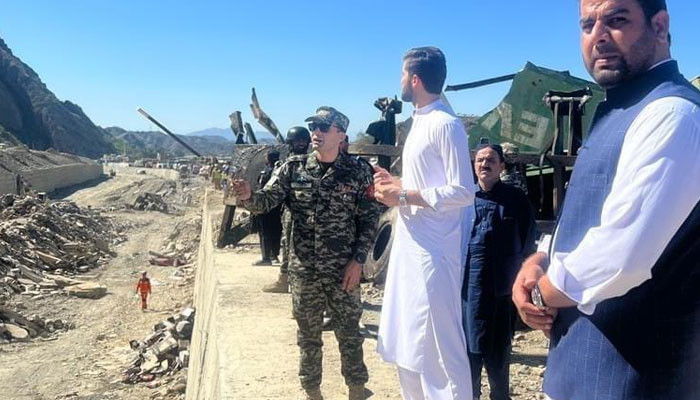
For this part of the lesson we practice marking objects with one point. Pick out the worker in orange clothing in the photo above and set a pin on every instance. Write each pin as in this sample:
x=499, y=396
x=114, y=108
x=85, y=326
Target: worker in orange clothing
x=143, y=287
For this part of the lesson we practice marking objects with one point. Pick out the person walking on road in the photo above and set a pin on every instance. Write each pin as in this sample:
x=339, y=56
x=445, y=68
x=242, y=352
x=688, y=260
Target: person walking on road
x=143, y=287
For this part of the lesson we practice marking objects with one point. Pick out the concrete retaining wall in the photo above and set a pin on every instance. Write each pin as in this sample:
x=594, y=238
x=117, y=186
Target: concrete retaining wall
x=205, y=366
x=52, y=178
x=124, y=168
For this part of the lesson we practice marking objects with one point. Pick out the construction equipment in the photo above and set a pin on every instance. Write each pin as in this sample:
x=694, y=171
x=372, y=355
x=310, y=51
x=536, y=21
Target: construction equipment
x=247, y=162
x=168, y=132
x=237, y=126
x=263, y=119
x=522, y=118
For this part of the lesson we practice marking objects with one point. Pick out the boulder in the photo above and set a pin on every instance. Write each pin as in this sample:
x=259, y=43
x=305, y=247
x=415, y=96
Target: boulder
x=87, y=290
x=16, y=332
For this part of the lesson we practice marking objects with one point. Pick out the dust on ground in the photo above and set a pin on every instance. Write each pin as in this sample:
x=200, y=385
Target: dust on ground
x=87, y=362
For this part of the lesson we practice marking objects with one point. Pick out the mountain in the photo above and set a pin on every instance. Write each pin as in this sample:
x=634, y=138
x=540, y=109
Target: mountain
x=148, y=144
x=226, y=133
x=31, y=114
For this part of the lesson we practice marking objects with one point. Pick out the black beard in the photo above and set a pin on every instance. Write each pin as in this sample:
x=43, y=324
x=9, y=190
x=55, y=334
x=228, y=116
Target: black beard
x=612, y=77
x=639, y=60
x=407, y=94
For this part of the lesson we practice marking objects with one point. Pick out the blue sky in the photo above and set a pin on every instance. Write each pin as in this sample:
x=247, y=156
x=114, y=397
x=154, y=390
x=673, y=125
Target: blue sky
x=190, y=64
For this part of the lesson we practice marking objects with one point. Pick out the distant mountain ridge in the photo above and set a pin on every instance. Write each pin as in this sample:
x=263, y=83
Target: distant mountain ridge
x=31, y=114
x=140, y=144
x=227, y=133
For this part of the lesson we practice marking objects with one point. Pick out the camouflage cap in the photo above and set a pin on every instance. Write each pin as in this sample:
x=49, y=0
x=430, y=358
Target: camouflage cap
x=510, y=151
x=330, y=115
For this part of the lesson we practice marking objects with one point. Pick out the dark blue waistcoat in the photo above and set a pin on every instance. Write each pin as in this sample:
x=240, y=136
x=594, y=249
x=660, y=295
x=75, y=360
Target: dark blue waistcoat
x=645, y=344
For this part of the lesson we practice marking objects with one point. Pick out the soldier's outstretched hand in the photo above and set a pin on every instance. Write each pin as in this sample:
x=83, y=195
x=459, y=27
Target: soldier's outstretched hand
x=351, y=276
x=241, y=189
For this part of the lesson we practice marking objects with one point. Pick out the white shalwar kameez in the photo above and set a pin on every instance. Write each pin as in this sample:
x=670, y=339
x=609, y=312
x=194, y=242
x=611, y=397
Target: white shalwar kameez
x=421, y=323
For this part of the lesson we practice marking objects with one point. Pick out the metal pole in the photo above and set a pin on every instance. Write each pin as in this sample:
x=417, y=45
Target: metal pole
x=167, y=131
x=476, y=84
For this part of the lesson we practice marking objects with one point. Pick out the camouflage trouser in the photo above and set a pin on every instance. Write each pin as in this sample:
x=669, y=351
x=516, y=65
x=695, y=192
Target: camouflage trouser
x=286, y=230
x=309, y=299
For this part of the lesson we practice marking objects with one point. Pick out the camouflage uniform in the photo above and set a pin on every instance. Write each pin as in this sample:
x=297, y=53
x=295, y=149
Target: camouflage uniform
x=286, y=230
x=512, y=175
x=333, y=220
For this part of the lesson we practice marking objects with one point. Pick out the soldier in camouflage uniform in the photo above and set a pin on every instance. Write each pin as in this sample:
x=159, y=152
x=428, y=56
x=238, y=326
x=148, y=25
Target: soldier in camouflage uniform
x=512, y=175
x=334, y=218
x=298, y=140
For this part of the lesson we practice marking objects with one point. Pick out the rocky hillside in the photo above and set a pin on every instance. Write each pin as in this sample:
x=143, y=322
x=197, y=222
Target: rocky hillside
x=31, y=113
x=148, y=144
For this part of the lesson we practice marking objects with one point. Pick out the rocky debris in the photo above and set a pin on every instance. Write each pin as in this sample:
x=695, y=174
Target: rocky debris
x=87, y=290
x=166, y=260
x=15, y=327
x=184, y=239
x=150, y=202
x=164, y=352
x=180, y=250
x=42, y=245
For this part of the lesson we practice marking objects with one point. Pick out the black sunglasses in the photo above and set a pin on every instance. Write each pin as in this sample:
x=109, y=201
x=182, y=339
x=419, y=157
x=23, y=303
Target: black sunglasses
x=321, y=126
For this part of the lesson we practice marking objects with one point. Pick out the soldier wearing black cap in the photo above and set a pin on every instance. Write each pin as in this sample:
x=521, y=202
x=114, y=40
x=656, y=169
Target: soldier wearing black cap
x=334, y=218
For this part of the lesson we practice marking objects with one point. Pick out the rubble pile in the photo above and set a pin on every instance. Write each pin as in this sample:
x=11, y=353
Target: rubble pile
x=180, y=249
x=164, y=352
x=184, y=238
x=150, y=202
x=42, y=244
x=14, y=327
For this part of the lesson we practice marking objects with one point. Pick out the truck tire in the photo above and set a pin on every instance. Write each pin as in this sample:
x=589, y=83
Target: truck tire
x=375, y=267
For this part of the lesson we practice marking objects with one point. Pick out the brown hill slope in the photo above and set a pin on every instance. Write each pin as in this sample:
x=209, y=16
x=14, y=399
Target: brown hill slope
x=30, y=112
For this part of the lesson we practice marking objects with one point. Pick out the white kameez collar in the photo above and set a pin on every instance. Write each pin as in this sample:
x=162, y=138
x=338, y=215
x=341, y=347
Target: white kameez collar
x=427, y=108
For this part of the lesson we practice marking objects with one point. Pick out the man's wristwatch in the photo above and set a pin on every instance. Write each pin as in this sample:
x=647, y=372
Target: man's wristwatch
x=537, y=299
x=403, y=201
x=360, y=257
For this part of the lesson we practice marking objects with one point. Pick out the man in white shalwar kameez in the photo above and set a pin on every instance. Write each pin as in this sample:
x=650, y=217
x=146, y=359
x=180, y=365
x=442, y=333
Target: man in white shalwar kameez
x=421, y=323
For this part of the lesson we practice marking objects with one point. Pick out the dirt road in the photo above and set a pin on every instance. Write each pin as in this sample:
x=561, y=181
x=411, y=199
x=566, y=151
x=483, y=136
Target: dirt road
x=86, y=362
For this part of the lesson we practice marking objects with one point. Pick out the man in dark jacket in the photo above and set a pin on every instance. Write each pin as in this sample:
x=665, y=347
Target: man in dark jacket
x=502, y=236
